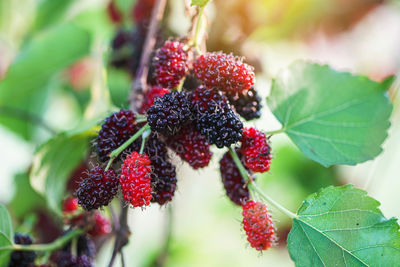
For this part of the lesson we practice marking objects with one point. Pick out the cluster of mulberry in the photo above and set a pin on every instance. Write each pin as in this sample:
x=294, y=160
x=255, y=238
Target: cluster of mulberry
x=188, y=121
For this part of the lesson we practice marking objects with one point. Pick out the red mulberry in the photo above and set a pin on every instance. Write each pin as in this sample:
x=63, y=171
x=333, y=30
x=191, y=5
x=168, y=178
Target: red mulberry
x=170, y=63
x=224, y=71
x=192, y=147
x=258, y=225
x=135, y=179
x=256, y=150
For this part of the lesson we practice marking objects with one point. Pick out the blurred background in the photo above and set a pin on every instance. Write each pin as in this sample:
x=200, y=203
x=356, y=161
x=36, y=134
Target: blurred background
x=65, y=61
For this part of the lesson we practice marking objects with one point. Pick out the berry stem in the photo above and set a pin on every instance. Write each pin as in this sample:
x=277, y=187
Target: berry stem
x=127, y=143
x=58, y=243
x=283, y=129
x=197, y=31
x=144, y=139
x=141, y=75
x=253, y=186
x=140, y=118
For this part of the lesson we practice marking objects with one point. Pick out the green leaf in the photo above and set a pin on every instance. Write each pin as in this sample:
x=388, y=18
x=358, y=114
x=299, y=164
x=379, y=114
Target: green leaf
x=6, y=234
x=45, y=55
x=53, y=164
x=342, y=226
x=200, y=3
x=25, y=199
x=51, y=11
x=333, y=117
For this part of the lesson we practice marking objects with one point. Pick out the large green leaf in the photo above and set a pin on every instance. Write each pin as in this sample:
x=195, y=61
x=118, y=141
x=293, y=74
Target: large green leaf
x=342, y=226
x=54, y=162
x=6, y=234
x=51, y=11
x=46, y=54
x=333, y=117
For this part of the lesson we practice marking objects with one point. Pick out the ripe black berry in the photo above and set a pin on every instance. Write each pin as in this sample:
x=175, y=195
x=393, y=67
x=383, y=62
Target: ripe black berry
x=163, y=176
x=66, y=259
x=169, y=113
x=214, y=118
x=163, y=180
x=116, y=129
x=247, y=104
x=232, y=180
x=98, y=189
x=86, y=246
x=22, y=258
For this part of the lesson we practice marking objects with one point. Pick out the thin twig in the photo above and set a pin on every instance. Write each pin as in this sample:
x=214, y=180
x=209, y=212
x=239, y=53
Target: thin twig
x=122, y=234
x=122, y=258
x=139, y=85
x=26, y=116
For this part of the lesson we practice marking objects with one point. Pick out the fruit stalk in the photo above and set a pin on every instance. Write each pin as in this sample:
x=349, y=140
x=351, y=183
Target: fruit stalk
x=253, y=186
x=56, y=244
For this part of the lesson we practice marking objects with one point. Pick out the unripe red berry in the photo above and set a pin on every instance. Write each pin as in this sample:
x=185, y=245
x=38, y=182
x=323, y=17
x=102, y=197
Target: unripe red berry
x=135, y=179
x=114, y=14
x=101, y=226
x=226, y=72
x=256, y=150
x=70, y=205
x=170, y=64
x=258, y=225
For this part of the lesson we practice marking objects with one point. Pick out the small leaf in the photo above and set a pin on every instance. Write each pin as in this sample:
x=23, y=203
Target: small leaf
x=333, y=117
x=53, y=164
x=6, y=234
x=342, y=226
x=200, y=3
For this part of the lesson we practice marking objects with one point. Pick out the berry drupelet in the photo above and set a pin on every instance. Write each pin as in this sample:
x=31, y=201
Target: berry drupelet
x=234, y=184
x=116, y=129
x=214, y=118
x=192, y=147
x=135, y=179
x=169, y=113
x=226, y=72
x=22, y=258
x=98, y=189
x=170, y=64
x=256, y=150
x=258, y=225
x=247, y=104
